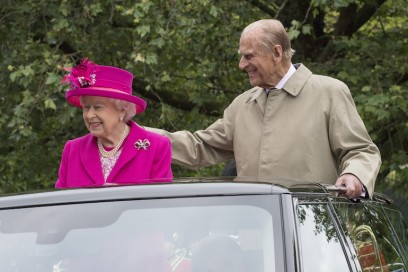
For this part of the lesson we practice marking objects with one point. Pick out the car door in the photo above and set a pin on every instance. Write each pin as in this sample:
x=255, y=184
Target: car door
x=377, y=232
x=322, y=245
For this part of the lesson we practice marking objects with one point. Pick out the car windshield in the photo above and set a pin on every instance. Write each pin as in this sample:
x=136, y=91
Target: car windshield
x=187, y=234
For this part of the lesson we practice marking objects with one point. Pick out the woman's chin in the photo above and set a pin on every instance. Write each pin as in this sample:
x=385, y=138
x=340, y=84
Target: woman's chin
x=95, y=132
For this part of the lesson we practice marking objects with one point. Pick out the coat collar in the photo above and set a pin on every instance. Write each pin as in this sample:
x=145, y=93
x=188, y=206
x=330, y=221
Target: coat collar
x=296, y=82
x=91, y=162
x=293, y=86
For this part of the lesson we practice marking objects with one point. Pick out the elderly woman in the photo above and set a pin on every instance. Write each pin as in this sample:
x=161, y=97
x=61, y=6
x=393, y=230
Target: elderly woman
x=117, y=150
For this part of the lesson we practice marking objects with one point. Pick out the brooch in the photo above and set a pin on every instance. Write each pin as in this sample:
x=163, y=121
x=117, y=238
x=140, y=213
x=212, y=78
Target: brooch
x=142, y=144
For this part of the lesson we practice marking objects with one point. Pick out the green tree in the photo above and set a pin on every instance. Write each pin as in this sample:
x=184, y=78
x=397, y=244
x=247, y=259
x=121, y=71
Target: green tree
x=183, y=54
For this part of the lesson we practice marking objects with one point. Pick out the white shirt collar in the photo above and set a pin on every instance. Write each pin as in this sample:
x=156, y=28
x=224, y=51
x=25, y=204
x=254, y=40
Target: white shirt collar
x=289, y=73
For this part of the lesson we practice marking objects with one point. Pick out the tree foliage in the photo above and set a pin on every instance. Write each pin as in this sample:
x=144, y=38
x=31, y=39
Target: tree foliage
x=183, y=54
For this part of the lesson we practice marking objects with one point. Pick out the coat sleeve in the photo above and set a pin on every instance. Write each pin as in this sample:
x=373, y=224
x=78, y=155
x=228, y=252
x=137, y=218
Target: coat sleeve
x=355, y=151
x=210, y=146
x=63, y=169
x=203, y=147
x=162, y=163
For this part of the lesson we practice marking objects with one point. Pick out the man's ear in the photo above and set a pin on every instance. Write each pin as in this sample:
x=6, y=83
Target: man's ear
x=277, y=52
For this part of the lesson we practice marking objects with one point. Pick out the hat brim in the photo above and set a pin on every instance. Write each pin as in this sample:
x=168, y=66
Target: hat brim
x=73, y=96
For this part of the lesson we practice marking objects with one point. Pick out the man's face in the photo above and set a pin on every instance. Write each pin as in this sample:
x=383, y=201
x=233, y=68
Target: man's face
x=259, y=65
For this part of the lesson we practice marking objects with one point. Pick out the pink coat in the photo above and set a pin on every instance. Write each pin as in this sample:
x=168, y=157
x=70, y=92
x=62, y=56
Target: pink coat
x=81, y=166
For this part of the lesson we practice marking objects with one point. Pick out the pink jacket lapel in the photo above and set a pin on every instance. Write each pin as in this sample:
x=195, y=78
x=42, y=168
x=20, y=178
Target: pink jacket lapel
x=90, y=160
x=129, y=151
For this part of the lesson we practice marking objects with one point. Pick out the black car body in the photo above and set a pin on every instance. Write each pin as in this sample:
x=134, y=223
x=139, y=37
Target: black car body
x=211, y=225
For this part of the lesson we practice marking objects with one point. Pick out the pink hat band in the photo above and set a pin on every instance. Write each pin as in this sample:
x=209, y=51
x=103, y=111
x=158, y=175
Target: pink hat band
x=89, y=79
x=113, y=85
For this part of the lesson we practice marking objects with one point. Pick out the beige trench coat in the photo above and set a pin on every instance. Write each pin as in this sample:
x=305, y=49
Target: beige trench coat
x=310, y=130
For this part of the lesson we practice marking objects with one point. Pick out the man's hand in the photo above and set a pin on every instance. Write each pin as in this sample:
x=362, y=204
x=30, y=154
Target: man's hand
x=352, y=184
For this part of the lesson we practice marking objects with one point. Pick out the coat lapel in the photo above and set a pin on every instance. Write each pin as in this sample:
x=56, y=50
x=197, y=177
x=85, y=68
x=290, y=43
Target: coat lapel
x=90, y=160
x=258, y=95
x=129, y=151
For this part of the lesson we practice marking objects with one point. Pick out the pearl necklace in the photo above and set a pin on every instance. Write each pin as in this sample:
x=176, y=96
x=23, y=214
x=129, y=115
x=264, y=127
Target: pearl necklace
x=111, y=153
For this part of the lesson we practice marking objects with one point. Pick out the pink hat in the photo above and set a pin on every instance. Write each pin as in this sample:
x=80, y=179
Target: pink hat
x=91, y=79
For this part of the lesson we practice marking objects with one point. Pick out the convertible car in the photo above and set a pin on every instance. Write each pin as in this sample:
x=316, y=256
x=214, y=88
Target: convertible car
x=208, y=225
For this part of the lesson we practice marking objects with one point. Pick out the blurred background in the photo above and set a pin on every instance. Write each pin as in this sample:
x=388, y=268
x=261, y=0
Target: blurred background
x=184, y=56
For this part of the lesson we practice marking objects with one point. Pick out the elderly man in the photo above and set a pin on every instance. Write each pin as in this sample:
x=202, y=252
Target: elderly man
x=291, y=124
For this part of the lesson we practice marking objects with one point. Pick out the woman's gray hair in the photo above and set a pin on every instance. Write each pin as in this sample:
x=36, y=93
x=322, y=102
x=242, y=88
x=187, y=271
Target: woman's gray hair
x=268, y=33
x=128, y=107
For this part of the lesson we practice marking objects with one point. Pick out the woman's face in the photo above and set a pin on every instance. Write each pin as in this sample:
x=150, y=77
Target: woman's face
x=101, y=117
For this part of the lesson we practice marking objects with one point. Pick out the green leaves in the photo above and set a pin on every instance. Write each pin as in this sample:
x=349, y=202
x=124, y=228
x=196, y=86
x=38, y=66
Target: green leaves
x=298, y=28
x=52, y=79
x=143, y=30
x=22, y=74
x=49, y=104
